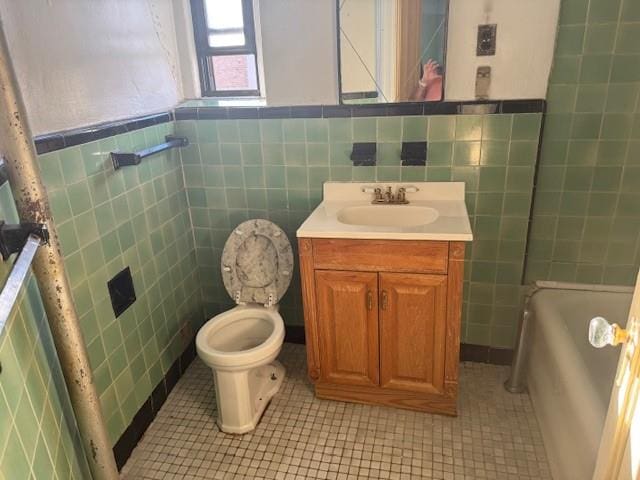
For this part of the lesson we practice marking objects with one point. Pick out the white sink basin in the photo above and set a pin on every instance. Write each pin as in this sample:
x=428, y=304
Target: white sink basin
x=387, y=215
x=436, y=211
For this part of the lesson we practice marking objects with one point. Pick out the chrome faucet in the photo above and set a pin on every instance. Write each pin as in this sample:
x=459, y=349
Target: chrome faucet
x=388, y=197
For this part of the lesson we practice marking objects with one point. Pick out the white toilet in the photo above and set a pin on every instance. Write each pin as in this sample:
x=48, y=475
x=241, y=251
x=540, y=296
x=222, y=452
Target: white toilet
x=241, y=344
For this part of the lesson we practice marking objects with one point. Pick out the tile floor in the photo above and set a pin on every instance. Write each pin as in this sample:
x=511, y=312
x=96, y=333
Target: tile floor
x=495, y=436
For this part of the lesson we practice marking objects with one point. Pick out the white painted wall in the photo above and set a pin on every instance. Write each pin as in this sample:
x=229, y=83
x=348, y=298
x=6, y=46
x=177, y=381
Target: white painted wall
x=80, y=62
x=299, y=51
x=525, y=43
x=186, y=49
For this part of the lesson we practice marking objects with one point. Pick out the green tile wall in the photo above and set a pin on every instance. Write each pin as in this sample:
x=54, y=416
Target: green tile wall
x=137, y=217
x=240, y=169
x=586, y=223
x=38, y=434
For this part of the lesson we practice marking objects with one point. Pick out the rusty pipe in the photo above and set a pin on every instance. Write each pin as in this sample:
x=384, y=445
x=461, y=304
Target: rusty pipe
x=19, y=153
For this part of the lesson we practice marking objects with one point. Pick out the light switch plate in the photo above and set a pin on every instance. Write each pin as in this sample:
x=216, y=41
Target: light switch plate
x=486, y=40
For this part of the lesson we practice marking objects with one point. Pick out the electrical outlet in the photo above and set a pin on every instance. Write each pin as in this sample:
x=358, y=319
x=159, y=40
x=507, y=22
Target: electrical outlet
x=486, y=40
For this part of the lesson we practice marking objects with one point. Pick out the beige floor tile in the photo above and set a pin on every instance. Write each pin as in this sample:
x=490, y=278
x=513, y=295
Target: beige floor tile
x=495, y=436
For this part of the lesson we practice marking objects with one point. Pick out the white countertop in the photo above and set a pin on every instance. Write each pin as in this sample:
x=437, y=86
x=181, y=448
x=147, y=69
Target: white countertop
x=447, y=198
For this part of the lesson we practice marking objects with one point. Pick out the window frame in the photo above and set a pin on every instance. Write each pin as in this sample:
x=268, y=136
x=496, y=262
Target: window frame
x=204, y=51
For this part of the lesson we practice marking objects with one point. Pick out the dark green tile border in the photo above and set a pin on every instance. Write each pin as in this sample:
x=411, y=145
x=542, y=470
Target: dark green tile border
x=51, y=142
x=366, y=110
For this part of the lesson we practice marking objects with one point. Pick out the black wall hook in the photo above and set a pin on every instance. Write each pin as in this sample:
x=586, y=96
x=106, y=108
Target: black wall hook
x=414, y=154
x=363, y=154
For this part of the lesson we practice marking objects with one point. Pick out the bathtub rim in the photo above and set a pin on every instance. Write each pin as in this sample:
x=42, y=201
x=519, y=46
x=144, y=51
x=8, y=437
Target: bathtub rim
x=516, y=382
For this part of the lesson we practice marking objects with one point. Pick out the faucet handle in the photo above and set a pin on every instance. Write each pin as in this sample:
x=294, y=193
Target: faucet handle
x=377, y=193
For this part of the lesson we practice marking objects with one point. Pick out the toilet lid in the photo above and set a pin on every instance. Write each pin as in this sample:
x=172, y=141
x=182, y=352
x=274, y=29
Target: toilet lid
x=257, y=263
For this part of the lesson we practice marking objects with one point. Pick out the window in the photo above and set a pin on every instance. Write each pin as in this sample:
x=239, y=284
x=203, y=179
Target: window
x=226, y=47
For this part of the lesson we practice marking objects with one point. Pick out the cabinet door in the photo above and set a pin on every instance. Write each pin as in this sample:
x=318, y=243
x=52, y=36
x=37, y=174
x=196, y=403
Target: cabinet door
x=348, y=327
x=413, y=312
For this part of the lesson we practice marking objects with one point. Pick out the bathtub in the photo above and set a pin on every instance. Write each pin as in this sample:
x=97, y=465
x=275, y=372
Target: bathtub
x=568, y=380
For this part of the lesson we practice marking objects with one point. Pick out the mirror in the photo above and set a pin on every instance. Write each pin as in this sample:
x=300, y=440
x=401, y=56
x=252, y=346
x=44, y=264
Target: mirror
x=392, y=51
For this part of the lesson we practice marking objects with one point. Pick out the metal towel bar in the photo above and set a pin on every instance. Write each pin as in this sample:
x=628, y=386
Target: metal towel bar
x=127, y=159
x=16, y=278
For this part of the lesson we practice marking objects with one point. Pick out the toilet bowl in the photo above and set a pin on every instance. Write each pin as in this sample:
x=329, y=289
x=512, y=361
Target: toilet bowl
x=241, y=345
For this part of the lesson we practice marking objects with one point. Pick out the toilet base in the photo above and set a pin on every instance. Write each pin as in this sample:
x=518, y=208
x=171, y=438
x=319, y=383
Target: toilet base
x=253, y=389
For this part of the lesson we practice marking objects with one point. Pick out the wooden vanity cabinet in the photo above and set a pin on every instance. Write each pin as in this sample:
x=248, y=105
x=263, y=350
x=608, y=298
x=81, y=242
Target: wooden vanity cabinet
x=382, y=320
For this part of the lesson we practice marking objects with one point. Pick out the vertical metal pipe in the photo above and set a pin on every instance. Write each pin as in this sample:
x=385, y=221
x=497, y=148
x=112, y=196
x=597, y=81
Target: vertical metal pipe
x=19, y=153
x=516, y=381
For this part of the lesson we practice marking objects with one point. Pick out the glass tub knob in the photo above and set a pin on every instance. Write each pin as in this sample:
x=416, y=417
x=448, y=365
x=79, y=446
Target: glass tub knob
x=603, y=333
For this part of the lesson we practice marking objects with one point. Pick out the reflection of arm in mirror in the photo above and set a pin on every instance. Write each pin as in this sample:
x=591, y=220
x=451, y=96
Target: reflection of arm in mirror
x=430, y=85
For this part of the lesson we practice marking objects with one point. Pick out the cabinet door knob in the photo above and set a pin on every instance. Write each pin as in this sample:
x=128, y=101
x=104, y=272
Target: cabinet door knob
x=383, y=299
x=369, y=300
